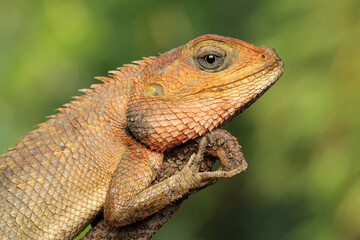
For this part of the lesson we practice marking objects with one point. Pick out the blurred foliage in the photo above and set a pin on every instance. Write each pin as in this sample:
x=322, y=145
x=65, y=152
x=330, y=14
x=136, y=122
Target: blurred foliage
x=301, y=138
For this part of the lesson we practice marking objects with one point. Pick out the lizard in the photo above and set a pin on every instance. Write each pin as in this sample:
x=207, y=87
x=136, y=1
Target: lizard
x=103, y=150
x=201, y=152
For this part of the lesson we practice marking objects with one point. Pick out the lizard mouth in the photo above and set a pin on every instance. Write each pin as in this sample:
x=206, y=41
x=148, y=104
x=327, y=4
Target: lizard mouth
x=274, y=70
x=271, y=74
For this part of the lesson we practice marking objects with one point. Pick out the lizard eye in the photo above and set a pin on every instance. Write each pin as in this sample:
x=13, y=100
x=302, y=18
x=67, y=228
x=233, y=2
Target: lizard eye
x=211, y=56
x=211, y=62
x=210, y=59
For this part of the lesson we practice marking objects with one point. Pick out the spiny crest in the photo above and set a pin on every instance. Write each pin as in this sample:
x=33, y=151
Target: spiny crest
x=136, y=66
x=86, y=90
x=79, y=99
x=61, y=110
x=105, y=79
x=114, y=75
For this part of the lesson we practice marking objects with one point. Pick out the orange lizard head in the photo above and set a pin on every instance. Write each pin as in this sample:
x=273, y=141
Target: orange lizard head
x=197, y=87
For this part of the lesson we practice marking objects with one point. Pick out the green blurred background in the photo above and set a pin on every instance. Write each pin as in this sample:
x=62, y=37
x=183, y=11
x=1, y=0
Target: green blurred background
x=301, y=138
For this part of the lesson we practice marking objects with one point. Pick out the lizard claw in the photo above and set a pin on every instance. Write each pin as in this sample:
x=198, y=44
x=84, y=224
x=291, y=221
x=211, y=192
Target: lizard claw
x=197, y=158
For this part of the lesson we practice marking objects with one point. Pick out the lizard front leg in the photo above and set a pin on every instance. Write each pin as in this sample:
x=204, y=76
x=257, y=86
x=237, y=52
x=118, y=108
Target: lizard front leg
x=154, y=198
x=134, y=173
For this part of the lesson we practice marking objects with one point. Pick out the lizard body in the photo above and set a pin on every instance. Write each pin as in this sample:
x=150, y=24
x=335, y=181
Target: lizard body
x=104, y=149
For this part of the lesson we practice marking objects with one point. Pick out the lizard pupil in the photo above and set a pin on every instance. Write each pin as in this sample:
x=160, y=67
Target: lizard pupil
x=210, y=58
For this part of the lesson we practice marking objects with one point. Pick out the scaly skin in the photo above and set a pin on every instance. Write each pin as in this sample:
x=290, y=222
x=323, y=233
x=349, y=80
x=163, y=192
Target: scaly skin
x=104, y=149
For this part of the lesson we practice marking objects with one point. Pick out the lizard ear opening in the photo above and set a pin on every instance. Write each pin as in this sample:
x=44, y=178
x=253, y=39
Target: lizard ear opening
x=154, y=90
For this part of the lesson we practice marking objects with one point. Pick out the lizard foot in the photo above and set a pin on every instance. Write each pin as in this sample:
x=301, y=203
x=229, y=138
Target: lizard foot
x=222, y=145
